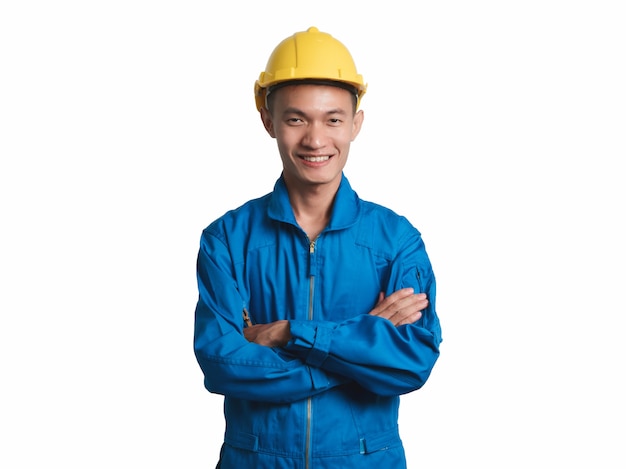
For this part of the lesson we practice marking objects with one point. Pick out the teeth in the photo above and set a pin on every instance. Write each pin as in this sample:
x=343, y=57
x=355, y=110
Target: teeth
x=316, y=159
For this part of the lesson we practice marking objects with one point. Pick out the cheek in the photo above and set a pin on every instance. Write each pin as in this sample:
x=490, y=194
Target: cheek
x=347, y=138
x=287, y=138
x=285, y=146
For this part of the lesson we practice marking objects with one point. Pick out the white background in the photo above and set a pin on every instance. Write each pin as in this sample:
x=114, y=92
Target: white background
x=497, y=128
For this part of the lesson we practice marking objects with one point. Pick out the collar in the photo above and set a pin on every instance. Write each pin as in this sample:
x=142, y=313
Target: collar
x=345, y=212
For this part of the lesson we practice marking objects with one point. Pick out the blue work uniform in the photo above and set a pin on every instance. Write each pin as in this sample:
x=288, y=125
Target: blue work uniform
x=330, y=397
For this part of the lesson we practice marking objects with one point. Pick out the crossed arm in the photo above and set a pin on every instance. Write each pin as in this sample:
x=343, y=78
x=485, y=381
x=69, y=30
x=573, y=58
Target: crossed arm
x=401, y=307
x=389, y=351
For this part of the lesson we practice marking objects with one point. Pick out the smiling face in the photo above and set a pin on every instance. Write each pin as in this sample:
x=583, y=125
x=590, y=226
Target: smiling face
x=313, y=126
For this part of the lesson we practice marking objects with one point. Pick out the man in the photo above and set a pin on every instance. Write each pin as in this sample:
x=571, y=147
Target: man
x=316, y=309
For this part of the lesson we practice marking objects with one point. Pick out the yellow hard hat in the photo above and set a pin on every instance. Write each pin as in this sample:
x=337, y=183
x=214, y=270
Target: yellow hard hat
x=311, y=55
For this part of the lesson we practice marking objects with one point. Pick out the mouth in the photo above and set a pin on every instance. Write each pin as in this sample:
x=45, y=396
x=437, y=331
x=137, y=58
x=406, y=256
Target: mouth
x=315, y=159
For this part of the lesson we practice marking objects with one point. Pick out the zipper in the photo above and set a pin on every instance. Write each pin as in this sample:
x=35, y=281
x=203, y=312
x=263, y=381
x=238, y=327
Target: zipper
x=312, y=268
x=309, y=403
x=419, y=281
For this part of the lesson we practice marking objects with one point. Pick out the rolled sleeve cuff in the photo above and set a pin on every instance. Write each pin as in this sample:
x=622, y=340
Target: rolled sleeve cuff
x=311, y=341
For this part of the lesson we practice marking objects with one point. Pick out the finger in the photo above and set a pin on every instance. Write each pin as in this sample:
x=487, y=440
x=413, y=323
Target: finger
x=407, y=312
x=410, y=319
x=388, y=302
x=381, y=297
x=399, y=294
x=404, y=305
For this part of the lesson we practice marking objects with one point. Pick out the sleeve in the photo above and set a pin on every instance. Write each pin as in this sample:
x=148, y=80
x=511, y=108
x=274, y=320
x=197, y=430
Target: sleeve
x=370, y=350
x=231, y=365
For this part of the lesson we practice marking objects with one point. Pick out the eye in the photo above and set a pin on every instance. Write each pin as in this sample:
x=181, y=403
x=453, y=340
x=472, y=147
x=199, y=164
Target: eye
x=335, y=121
x=294, y=120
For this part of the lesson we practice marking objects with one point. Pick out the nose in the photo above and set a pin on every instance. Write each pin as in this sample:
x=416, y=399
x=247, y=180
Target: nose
x=314, y=136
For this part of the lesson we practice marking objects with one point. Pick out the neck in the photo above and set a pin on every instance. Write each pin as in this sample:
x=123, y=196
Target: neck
x=312, y=208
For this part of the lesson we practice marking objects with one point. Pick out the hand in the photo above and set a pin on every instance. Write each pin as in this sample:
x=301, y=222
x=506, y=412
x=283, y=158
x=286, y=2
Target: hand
x=273, y=334
x=401, y=307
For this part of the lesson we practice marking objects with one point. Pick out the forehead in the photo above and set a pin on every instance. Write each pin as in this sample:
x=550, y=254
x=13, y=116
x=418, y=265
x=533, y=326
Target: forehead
x=310, y=95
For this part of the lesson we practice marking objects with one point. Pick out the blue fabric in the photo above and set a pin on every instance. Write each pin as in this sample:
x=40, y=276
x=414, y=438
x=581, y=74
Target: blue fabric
x=331, y=396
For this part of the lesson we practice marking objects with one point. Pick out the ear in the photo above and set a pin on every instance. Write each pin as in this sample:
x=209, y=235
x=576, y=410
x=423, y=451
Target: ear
x=357, y=122
x=266, y=117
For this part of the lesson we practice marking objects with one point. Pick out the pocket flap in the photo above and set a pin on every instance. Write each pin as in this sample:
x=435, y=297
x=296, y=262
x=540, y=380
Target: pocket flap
x=380, y=441
x=242, y=440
